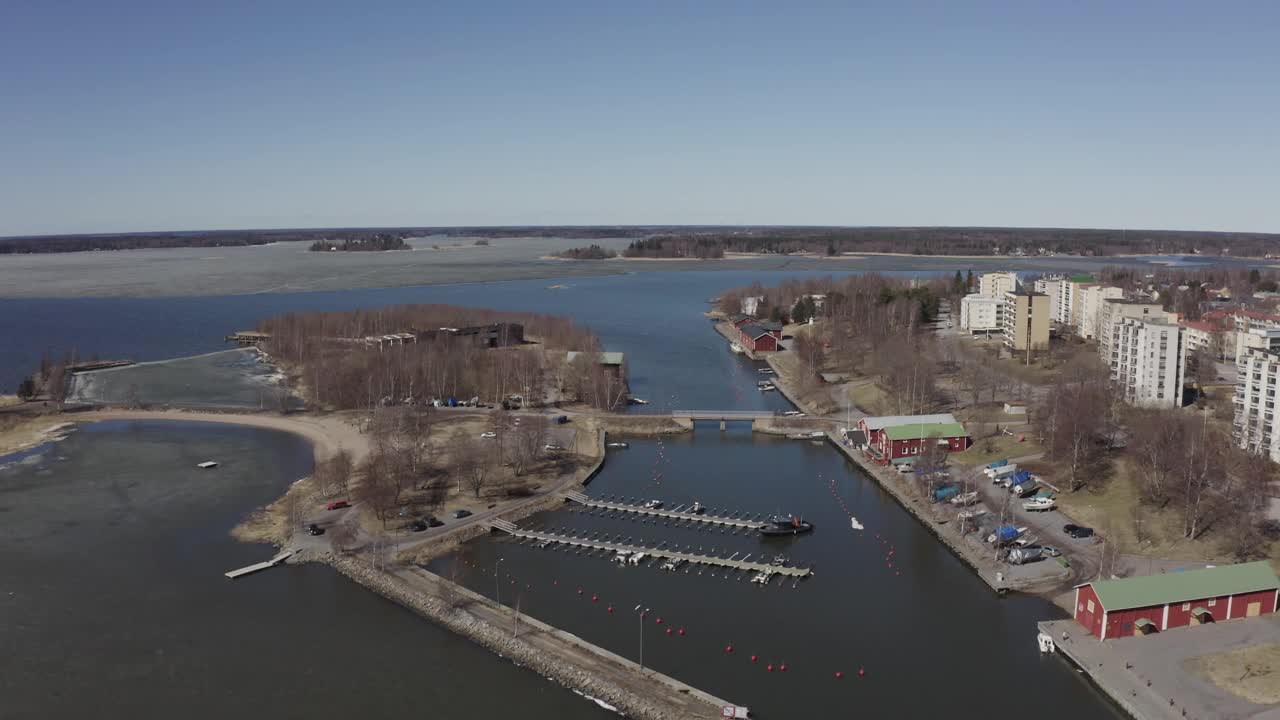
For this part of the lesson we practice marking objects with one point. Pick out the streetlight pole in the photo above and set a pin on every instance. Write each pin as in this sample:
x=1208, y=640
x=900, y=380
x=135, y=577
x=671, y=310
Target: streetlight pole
x=642, y=616
x=497, y=585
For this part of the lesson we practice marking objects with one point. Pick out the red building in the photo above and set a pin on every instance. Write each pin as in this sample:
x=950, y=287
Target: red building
x=739, y=320
x=899, y=438
x=1154, y=603
x=758, y=339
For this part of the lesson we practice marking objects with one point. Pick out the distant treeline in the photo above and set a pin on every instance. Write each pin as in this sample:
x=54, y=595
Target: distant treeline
x=591, y=252
x=219, y=238
x=369, y=243
x=950, y=241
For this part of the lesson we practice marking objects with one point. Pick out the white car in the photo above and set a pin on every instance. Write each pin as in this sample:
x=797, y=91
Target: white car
x=489, y=435
x=793, y=413
x=551, y=446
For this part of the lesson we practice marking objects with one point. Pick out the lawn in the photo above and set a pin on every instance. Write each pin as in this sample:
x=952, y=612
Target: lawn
x=869, y=398
x=1002, y=446
x=1252, y=673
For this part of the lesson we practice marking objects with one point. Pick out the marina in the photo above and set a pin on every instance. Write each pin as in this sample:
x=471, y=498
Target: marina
x=637, y=553
x=691, y=515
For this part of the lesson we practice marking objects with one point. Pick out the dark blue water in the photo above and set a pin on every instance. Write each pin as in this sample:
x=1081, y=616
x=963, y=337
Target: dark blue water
x=655, y=318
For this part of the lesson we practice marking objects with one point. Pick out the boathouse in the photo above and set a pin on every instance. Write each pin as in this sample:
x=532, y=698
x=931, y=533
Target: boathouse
x=873, y=427
x=1154, y=603
x=902, y=443
x=757, y=339
x=739, y=320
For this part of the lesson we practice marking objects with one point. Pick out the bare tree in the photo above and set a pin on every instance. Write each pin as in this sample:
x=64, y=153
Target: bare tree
x=376, y=489
x=525, y=442
x=474, y=461
x=343, y=537
x=291, y=507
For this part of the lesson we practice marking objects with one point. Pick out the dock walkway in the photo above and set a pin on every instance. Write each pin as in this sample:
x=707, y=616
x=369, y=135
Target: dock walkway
x=260, y=566
x=681, y=515
x=656, y=552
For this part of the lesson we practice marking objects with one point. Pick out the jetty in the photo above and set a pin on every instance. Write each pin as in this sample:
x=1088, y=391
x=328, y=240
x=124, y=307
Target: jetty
x=659, y=553
x=246, y=338
x=284, y=555
x=92, y=365
x=676, y=514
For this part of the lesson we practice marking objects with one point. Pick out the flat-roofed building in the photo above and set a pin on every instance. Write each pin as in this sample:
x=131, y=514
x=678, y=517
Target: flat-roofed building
x=1026, y=321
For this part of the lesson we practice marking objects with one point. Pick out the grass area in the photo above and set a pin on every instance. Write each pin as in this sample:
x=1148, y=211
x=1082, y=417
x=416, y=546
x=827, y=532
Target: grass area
x=1003, y=446
x=1111, y=511
x=7, y=400
x=1252, y=673
x=868, y=396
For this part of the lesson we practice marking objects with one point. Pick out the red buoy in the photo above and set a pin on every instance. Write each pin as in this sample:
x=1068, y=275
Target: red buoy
x=668, y=631
x=769, y=667
x=682, y=631
x=579, y=591
x=861, y=672
x=753, y=658
x=839, y=674
x=782, y=668
x=728, y=648
x=595, y=598
x=658, y=621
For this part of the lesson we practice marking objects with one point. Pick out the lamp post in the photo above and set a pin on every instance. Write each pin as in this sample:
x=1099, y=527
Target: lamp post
x=497, y=585
x=642, y=612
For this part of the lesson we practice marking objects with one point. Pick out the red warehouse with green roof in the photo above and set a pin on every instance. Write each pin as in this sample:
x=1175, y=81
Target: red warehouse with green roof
x=1154, y=603
x=901, y=443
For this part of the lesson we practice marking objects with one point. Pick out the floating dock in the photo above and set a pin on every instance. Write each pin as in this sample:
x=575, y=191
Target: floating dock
x=260, y=566
x=683, y=515
x=655, y=552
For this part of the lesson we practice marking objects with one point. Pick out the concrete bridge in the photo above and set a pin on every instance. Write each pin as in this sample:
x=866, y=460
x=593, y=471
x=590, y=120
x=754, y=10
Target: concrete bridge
x=759, y=419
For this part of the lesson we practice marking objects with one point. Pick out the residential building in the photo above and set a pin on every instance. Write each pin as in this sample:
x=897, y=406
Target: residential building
x=1026, y=321
x=1154, y=603
x=1149, y=361
x=1237, y=322
x=1113, y=309
x=1203, y=335
x=1090, y=301
x=996, y=284
x=1254, y=427
x=1067, y=310
x=1051, y=285
x=980, y=313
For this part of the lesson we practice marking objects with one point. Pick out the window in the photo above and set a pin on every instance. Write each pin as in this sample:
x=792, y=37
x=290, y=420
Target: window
x=1213, y=601
x=1186, y=607
x=1090, y=606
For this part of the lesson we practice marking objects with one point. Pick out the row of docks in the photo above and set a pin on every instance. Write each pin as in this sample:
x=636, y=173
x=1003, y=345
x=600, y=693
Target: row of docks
x=670, y=557
x=680, y=514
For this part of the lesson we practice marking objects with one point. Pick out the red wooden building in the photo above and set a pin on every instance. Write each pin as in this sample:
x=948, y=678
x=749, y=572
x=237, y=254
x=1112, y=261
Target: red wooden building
x=1154, y=603
x=757, y=338
x=898, y=439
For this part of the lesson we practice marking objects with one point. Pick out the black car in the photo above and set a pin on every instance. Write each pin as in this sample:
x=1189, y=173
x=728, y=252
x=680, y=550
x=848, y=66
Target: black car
x=418, y=525
x=459, y=514
x=314, y=529
x=1078, y=531
x=433, y=521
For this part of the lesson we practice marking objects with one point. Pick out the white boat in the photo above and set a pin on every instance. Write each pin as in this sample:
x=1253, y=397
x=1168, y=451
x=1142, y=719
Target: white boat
x=853, y=521
x=964, y=499
x=637, y=558
x=767, y=387
x=762, y=578
x=637, y=401
x=697, y=508
x=618, y=445
x=798, y=436
x=735, y=347
x=207, y=465
x=673, y=564
x=765, y=371
x=622, y=557
x=653, y=505
x=1040, y=504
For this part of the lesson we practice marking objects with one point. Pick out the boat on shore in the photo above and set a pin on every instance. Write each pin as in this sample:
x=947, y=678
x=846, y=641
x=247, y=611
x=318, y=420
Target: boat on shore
x=786, y=525
x=736, y=348
x=636, y=401
x=618, y=445
x=1040, y=504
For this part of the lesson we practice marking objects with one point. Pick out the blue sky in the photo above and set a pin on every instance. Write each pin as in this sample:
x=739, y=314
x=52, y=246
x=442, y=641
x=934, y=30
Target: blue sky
x=120, y=116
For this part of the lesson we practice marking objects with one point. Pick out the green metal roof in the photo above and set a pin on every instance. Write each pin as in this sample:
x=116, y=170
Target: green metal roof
x=1180, y=587
x=1200, y=611
x=606, y=358
x=924, y=431
x=1143, y=622
x=1082, y=278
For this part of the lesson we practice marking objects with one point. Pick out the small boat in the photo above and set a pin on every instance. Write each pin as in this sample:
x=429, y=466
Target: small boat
x=622, y=557
x=786, y=525
x=762, y=383
x=697, y=508
x=636, y=401
x=798, y=436
x=964, y=499
x=673, y=564
x=735, y=347
x=618, y=445
x=853, y=521
x=1040, y=504
x=653, y=505
x=207, y=465
x=778, y=560
x=767, y=387
x=765, y=371
x=762, y=578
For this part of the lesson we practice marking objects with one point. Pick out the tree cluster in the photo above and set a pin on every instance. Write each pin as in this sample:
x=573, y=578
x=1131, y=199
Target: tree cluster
x=376, y=242
x=591, y=252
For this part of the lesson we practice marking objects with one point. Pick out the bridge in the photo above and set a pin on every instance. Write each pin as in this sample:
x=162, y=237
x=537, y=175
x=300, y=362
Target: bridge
x=757, y=418
x=732, y=562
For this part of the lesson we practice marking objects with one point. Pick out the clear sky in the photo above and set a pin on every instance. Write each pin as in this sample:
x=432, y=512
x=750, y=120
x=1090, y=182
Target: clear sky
x=124, y=115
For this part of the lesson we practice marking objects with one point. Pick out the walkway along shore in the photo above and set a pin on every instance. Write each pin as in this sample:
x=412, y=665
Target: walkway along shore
x=981, y=562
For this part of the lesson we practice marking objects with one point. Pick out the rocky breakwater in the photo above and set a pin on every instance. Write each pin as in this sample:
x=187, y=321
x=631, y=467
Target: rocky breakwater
x=556, y=655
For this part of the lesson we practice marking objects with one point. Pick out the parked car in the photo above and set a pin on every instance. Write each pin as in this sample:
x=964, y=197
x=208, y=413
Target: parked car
x=552, y=447
x=562, y=419
x=1051, y=551
x=459, y=514
x=337, y=505
x=433, y=521
x=314, y=529
x=1077, y=531
x=489, y=435
x=418, y=525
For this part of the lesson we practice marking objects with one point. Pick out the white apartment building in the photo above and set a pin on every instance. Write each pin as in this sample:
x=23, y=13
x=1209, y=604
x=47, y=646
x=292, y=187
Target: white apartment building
x=979, y=313
x=996, y=284
x=1115, y=309
x=1068, y=308
x=1149, y=362
x=1254, y=427
x=1091, y=298
x=1051, y=286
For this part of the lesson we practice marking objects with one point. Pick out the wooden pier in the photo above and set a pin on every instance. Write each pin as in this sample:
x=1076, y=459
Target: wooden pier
x=655, y=552
x=246, y=338
x=92, y=365
x=260, y=566
x=677, y=514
